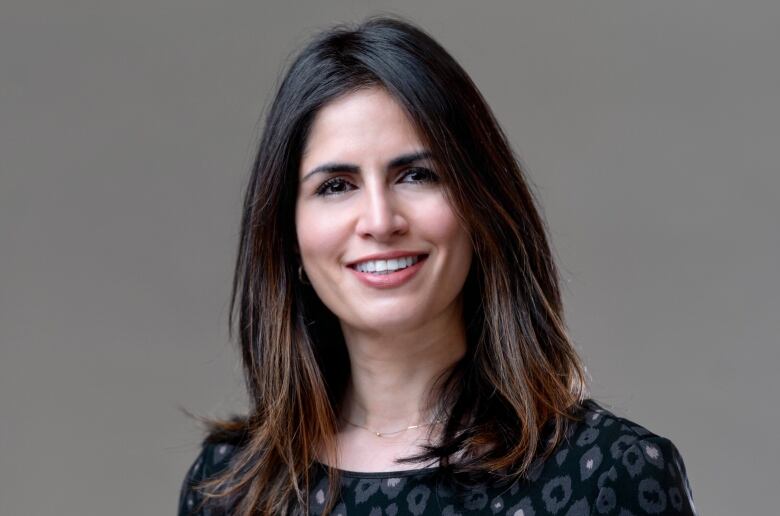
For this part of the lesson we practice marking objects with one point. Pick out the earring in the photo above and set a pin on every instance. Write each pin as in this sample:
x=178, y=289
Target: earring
x=301, y=276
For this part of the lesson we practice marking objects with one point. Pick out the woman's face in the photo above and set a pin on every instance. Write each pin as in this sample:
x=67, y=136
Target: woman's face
x=369, y=202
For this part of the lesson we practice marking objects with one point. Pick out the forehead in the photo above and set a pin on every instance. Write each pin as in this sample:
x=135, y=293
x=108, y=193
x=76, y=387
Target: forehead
x=363, y=126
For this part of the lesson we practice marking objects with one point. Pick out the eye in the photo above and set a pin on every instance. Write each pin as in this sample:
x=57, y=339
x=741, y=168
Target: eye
x=420, y=175
x=334, y=186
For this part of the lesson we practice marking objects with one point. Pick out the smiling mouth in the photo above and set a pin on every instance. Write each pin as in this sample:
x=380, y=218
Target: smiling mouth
x=389, y=266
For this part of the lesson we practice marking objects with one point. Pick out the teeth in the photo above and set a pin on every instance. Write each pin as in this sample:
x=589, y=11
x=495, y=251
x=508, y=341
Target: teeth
x=386, y=266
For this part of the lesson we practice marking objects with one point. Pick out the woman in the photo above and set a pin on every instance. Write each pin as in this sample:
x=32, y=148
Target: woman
x=399, y=313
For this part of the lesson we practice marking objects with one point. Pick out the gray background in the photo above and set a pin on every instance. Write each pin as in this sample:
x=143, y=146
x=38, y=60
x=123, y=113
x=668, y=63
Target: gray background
x=651, y=129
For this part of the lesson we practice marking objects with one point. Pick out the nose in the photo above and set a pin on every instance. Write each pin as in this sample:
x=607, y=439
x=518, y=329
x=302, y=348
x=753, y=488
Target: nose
x=381, y=216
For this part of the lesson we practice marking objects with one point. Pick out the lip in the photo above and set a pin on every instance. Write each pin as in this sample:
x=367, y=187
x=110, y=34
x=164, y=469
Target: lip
x=385, y=256
x=391, y=280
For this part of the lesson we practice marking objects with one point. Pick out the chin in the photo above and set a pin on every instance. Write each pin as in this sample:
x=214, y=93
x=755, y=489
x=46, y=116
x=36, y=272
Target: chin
x=395, y=323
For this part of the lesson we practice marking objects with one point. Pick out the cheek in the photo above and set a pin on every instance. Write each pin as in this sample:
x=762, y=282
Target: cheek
x=444, y=228
x=318, y=234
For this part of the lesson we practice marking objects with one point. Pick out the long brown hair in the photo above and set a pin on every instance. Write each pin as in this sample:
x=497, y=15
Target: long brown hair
x=509, y=399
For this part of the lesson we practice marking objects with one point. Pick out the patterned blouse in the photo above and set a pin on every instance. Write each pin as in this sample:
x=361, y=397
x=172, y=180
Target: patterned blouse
x=607, y=465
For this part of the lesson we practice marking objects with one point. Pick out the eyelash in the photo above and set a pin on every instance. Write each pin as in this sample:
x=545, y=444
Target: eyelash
x=323, y=188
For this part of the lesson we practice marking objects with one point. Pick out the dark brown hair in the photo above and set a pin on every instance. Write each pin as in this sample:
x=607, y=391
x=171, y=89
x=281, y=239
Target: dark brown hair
x=509, y=399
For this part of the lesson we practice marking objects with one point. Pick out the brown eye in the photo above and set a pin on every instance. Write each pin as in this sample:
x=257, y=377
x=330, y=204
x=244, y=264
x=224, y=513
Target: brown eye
x=420, y=175
x=335, y=186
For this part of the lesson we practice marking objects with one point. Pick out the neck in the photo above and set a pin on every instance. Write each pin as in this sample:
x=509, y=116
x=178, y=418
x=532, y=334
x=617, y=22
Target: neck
x=392, y=375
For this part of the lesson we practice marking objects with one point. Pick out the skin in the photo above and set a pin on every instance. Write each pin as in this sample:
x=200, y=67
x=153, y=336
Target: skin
x=398, y=339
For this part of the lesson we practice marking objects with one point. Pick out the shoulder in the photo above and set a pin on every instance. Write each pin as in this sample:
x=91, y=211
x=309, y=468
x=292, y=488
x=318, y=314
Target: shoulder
x=213, y=458
x=613, y=465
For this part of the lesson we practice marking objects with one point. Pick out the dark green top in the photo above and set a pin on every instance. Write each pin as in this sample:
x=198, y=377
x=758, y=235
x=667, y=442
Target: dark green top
x=607, y=465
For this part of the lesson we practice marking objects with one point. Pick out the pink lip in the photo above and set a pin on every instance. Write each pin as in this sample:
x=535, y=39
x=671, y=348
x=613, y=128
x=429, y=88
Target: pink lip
x=392, y=280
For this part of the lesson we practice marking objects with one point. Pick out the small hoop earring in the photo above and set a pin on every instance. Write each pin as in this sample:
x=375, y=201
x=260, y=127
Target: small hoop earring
x=301, y=275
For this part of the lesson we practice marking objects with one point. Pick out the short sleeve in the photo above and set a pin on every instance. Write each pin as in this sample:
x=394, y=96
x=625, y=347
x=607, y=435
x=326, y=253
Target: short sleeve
x=648, y=478
x=189, y=498
x=213, y=458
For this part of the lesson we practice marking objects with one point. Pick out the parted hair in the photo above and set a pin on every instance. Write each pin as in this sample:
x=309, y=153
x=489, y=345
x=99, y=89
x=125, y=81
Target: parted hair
x=512, y=396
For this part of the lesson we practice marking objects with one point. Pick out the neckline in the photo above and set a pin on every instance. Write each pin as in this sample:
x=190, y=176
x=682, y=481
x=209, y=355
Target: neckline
x=588, y=404
x=381, y=474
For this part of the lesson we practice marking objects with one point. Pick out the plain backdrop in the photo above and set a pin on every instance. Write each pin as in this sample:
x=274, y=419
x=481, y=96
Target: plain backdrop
x=651, y=130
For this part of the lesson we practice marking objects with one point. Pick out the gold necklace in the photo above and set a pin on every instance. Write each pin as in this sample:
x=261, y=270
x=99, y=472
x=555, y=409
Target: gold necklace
x=385, y=434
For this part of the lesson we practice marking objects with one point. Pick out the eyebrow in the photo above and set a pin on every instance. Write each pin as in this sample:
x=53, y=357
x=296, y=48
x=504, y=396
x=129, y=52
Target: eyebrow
x=336, y=168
